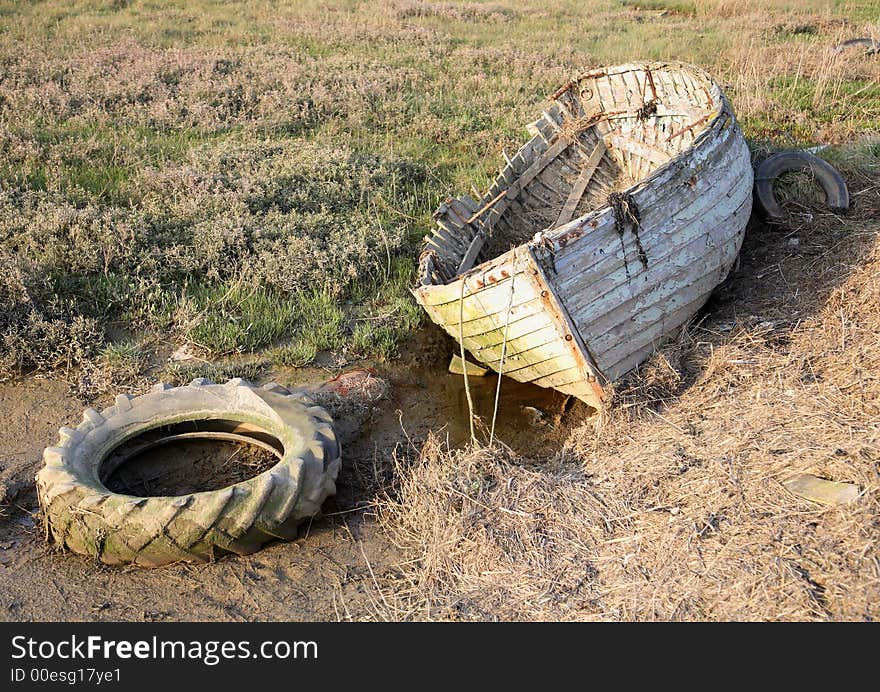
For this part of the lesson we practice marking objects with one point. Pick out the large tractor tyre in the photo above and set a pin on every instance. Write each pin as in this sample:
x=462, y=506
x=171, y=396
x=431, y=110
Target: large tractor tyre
x=82, y=514
x=831, y=182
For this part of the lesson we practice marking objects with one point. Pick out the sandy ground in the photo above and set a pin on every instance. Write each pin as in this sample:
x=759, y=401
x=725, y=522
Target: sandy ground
x=331, y=573
x=318, y=577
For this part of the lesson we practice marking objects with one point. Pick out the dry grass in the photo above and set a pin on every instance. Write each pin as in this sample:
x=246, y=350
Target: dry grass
x=671, y=507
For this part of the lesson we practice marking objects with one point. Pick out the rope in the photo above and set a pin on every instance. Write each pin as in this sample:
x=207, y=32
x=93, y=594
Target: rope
x=467, y=386
x=501, y=364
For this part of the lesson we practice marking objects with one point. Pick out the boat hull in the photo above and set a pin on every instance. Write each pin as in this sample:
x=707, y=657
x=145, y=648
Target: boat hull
x=582, y=304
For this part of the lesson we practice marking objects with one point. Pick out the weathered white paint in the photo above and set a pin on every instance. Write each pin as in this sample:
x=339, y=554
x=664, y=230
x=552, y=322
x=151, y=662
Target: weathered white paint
x=584, y=305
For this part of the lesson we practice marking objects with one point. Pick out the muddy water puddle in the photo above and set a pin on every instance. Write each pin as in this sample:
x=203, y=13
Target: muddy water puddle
x=423, y=397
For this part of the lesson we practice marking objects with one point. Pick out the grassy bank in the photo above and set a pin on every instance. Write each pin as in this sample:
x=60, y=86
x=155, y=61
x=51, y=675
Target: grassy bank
x=256, y=177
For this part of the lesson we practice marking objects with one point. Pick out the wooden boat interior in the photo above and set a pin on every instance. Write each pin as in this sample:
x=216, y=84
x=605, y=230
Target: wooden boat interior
x=604, y=132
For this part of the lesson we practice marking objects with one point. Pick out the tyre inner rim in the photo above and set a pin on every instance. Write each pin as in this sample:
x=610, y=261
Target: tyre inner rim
x=210, y=471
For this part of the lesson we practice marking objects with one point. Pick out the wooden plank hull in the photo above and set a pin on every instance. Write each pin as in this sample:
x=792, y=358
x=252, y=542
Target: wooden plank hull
x=507, y=308
x=576, y=306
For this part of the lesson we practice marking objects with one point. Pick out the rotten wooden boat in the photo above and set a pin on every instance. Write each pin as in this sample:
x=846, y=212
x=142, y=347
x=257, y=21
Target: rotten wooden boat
x=603, y=235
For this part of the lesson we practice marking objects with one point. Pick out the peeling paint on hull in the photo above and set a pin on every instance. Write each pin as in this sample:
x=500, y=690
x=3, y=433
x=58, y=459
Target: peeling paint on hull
x=580, y=304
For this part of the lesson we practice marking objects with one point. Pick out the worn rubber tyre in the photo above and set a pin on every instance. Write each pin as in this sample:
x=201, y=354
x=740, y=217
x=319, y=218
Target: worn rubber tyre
x=831, y=182
x=80, y=513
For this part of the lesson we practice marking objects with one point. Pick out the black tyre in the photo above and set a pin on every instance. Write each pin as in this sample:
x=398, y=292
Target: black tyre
x=831, y=182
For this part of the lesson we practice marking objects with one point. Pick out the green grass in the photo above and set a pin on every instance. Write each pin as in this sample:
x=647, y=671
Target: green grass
x=848, y=99
x=121, y=353
x=122, y=361
x=388, y=313
x=97, y=161
x=296, y=354
x=319, y=327
x=234, y=319
x=179, y=374
x=682, y=7
x=856, y=10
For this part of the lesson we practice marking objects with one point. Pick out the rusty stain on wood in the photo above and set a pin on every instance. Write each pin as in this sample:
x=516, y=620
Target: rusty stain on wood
x=650, y=79
x=561, y=90
x=690, y=127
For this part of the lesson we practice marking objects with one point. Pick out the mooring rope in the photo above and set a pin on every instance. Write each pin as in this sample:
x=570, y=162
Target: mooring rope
x=503, y=355
x=467, y=386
